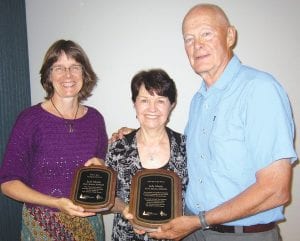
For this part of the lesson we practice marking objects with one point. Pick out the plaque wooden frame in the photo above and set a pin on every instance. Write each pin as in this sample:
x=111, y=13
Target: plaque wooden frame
x=94, y=188
x=144, y=203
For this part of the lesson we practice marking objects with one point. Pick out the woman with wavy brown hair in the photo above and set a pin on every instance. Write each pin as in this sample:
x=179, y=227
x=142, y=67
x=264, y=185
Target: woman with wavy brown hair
x=49, y=141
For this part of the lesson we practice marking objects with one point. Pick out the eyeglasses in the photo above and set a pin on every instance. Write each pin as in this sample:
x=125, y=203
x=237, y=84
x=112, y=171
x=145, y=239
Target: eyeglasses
x=62, y=70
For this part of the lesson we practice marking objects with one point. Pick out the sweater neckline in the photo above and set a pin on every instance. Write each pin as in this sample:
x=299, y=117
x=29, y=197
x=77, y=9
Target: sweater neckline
x=60, y=118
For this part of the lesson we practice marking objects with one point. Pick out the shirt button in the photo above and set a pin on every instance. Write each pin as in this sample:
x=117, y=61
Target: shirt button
x=202, y=156
x=203, y=131
x=200, y=180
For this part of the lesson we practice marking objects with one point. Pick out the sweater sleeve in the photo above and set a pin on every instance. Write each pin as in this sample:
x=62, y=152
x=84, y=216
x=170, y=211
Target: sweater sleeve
x=16, y=161
x=103, y=138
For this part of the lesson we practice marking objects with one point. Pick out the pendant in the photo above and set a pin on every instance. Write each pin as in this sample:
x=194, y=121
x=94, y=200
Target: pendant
x=70, y=127
x=151, y=158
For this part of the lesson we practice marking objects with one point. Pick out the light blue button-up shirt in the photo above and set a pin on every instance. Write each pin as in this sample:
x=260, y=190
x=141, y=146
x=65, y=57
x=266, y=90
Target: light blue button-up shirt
x=236, y=127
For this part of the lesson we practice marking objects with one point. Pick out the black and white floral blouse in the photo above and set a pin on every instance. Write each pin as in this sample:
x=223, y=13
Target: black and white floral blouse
x=123, y=157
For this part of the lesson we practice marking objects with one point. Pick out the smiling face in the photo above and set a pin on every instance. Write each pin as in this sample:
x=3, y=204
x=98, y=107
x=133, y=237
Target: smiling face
x=208, y=39
x=66, y=77
x=152, y=111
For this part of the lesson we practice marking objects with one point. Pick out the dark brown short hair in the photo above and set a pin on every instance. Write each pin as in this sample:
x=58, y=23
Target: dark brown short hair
x=74, y=51
x=155, y=81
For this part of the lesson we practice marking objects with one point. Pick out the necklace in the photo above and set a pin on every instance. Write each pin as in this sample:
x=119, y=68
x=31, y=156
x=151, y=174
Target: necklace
x=151, y=155
x=69, y=123
x=152, y=150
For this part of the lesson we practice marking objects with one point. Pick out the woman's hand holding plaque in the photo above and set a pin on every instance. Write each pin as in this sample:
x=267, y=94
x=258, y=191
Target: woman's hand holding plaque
x=94, y=188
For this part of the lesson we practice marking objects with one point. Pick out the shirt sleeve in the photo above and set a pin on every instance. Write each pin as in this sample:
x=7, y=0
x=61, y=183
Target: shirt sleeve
x=116, y=159
x=269, y=126
x=109, y=159
x=114, y=154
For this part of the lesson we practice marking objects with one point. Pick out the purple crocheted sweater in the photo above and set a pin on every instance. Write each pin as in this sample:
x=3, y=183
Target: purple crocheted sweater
x=44, y=155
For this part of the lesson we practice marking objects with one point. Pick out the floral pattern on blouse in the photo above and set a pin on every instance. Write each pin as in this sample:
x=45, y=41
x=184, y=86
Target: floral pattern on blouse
x=123, y=157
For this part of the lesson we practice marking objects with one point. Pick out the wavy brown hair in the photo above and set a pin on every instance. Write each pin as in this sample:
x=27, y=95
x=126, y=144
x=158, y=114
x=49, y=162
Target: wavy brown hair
x=74, y=51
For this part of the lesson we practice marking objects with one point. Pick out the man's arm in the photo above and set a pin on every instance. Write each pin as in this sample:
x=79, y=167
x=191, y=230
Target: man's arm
x=120, y=134
x=271, y=189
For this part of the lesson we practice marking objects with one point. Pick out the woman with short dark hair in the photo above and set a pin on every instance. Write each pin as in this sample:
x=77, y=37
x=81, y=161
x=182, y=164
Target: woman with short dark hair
x=152, y=146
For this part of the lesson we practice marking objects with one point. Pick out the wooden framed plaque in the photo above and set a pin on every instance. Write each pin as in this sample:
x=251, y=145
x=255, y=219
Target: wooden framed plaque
x=155, y=198
x=94, y=188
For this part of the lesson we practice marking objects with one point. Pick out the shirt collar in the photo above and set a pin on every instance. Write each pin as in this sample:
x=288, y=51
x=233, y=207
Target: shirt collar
x=227, y=76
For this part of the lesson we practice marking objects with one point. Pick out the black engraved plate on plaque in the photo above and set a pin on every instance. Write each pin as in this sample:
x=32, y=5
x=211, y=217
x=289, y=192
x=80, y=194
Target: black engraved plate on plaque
x=94, y=188
x=155, y=198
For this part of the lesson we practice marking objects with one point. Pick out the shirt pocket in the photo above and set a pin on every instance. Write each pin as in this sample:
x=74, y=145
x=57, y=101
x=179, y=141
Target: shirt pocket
x=229, y=158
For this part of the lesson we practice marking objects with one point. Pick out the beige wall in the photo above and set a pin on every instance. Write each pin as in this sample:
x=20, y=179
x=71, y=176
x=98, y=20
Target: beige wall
x=123, y=37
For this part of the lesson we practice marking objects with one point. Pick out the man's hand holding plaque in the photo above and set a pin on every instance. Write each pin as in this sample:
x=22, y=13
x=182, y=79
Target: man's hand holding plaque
x=94, y=188
x=155, y=198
